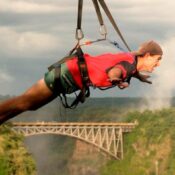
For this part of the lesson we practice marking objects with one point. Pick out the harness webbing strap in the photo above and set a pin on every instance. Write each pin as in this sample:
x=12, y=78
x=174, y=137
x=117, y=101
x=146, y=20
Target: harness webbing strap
x=80, y=8
x=103, y=30
x=97, y=8
x=79, y=32
x=84, y=92
x=82, y=67
x=106, y=10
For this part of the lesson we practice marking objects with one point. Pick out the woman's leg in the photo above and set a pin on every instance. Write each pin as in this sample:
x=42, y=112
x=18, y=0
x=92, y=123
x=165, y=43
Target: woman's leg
x=36, y=96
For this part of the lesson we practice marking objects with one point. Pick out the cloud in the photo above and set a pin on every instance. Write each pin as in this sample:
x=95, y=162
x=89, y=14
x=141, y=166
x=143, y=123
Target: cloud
x=5, y=77
x=153, y=18
x=26, y=44
x=43, y=30
x=7, y=81
x=31, y=7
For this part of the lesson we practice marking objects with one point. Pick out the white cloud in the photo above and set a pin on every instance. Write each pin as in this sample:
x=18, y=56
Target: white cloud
x=17, y=44
x=5, y=77
x=145, y=11
x=14, y=6
x=37, y=28
x=133, y=9
x=7, y=82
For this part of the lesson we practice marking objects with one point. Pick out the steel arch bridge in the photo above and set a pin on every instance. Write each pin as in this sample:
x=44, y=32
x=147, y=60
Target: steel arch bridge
x=108, y=137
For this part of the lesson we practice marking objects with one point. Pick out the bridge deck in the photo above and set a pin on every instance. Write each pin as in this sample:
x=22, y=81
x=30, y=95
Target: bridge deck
x=74, y=124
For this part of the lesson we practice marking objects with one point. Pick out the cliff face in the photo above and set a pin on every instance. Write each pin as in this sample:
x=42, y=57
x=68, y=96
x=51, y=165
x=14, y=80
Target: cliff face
x=86, y=160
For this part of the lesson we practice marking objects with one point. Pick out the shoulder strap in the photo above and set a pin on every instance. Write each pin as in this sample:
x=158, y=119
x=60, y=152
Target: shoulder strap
x=85, y=91
x=83, y=67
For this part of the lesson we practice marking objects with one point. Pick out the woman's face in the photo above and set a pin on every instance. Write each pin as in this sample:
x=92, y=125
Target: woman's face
x=151, y=61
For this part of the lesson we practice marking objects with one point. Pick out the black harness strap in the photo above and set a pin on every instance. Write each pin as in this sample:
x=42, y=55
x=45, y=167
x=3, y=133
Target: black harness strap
x=79, y=32
x=106, y=10
x=82, y=67
x=103, y=30
x=80, y=9
x=84, y=92
x=97, y=8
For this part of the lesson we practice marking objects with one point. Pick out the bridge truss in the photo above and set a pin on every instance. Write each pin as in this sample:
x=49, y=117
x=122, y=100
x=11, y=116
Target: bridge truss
x=108, y=137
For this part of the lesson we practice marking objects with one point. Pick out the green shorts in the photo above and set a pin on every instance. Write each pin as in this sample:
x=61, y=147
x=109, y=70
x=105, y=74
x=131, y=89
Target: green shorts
x=49, y=79
x=67, y=82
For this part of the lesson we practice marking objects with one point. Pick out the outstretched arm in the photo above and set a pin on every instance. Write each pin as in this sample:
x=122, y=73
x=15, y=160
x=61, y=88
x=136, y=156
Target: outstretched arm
x=36, y=96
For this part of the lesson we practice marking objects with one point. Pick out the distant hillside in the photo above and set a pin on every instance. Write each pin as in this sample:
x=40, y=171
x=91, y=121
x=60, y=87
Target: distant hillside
x=14, y=158
x=150, y=148
x=94, y=109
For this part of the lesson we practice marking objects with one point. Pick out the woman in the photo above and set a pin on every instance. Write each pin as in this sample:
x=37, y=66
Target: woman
x=104, y=70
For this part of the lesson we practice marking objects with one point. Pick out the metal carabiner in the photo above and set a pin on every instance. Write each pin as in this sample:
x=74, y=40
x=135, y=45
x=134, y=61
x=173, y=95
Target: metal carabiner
x=79, y=34
x=103, y=30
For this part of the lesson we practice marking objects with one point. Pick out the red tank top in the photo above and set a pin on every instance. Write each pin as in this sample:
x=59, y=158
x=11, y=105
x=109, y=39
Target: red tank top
x=98, y=67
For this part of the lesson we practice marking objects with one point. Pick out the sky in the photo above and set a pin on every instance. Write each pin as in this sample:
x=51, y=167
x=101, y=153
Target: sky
x=36, y=33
